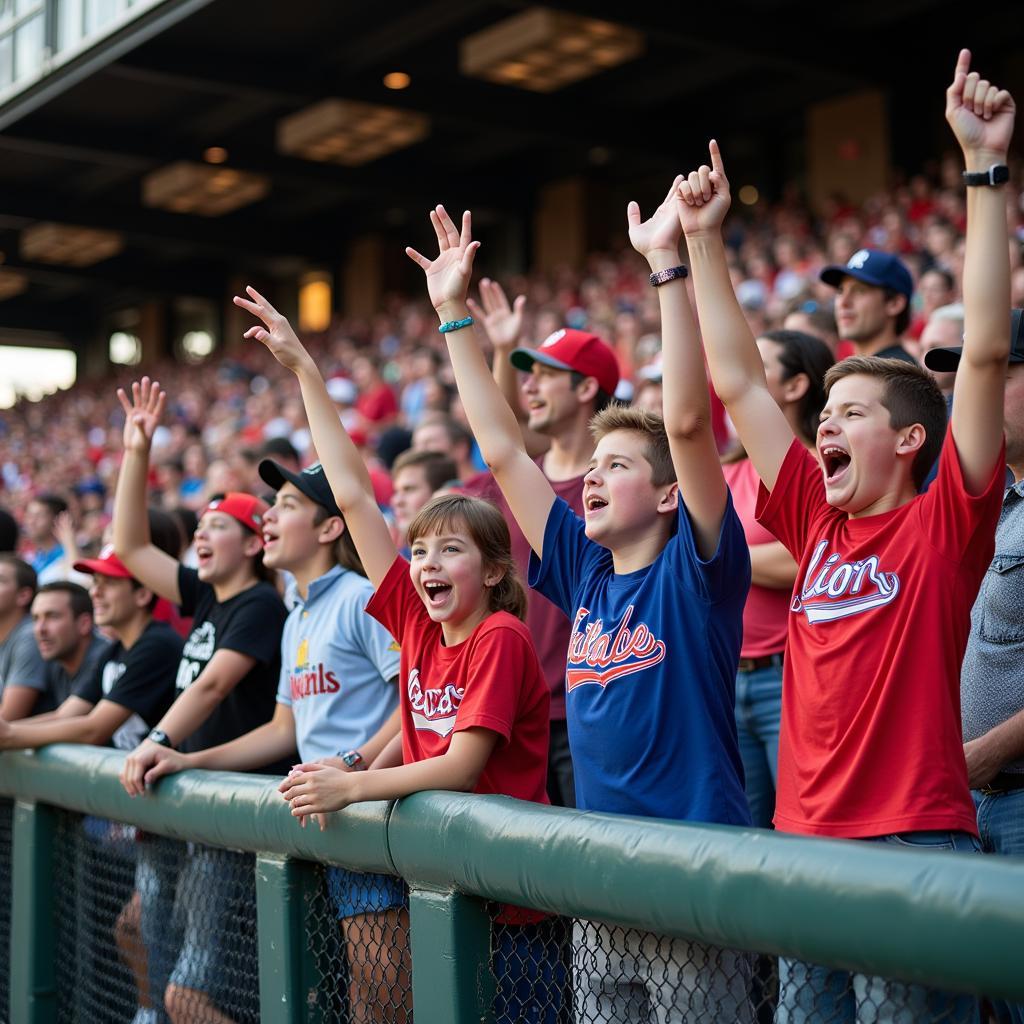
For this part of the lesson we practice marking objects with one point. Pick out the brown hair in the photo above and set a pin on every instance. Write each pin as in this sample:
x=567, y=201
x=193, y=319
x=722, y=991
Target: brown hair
x=489, y=532
x=639, y=421
x=344, y=548
x=911, y=396
x=24, y=574
x=438, y=468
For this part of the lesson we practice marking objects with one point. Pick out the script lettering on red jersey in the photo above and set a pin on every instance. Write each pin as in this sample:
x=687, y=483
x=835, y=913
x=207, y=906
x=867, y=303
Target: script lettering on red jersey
x=834, y=589
x=434, y=709
x=597, y=656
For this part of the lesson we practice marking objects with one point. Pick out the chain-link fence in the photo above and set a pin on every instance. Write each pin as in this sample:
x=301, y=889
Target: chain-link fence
x=6, y=823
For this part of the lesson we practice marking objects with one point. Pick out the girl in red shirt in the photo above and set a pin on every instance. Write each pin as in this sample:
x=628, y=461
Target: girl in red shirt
x=474, y=700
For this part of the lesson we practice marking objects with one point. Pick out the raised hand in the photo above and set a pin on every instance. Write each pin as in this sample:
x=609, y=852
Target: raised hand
x=502, y=322
x=448, y=275
x=276, y=333
x=660, y=232
x=980, y=114
x=142, y=413
x=704, y=196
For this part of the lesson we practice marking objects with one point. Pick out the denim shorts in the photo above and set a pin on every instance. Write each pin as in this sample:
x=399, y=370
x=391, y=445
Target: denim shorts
x=360, y=892
x=531, y=970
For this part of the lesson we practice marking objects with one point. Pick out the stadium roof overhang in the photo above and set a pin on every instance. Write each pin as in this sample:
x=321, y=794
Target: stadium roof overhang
x=78, y=146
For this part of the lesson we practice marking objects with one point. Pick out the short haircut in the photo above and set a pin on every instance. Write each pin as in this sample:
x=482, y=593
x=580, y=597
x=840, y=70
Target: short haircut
x=947, y=278
x=54, y=502
x=437, y=468
x=601, y=400
x=951, y=314
x=78, y=596
x=911, y=396
x=456, y=431
x=902, y=321
x=639, y=421
x=8, y=531
x=281, y=448
x=24, y=574
x=488, y=530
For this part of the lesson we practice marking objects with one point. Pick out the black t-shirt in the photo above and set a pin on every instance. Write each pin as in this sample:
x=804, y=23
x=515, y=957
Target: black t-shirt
x=140, y=678
x=249, y=623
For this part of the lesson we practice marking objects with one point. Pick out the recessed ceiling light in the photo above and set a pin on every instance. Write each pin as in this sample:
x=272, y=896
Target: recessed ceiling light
x=397, y=80
x=215, y=155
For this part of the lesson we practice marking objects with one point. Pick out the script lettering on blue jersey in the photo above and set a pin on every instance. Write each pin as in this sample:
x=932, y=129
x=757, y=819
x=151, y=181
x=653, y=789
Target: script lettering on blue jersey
x=599, y=656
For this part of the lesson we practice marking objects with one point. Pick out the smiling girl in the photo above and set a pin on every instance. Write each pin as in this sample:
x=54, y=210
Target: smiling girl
x=474, y=701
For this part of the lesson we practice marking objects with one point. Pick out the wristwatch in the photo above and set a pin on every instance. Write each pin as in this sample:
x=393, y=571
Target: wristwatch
x=997, y=174
x=354, y=760
x=159, y=736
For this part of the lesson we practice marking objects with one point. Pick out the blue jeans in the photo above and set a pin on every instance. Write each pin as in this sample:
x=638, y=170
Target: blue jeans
x=811, y=994
x=531, y=968
x=158, y=865
x=1001, y=827
x=758, y=711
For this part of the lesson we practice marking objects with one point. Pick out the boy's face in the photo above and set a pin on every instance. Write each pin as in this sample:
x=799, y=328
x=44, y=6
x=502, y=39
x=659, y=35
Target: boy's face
x=858, y=447
x=412, y=492
x=619, y=498
x=113, y=600
x=289, y=536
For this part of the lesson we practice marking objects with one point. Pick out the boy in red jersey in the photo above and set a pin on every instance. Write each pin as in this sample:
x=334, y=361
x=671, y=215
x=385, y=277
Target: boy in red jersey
x=870, y=745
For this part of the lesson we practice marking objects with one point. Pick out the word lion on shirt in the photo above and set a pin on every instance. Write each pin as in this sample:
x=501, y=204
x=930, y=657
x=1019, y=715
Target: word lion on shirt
x=834, y=589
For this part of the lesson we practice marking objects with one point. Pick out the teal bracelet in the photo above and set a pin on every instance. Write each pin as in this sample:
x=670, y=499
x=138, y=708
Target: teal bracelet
x=455, y=325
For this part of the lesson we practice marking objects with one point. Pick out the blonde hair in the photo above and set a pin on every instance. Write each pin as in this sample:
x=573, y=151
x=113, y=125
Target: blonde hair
x=451, y=513
x=650, y=425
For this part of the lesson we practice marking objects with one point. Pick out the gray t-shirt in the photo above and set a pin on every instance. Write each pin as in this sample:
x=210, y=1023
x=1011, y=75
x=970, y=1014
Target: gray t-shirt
x=990, y=681
x=60, y=685
x=21, y=664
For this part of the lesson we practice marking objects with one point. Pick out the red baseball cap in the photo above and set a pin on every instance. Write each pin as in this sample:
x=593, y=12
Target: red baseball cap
x=569, y=349
x=107, y=564
x=246, y=508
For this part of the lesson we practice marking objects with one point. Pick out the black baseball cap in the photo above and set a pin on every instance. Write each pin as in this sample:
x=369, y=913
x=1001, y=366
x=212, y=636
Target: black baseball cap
x=943, y=360
x=881, y=269
x=312, y=482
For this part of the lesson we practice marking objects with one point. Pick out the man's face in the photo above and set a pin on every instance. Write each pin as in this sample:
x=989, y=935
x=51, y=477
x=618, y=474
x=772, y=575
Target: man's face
x=941, y=334
x=550, y=398
x=8, y=589
x=1013, y=413
x=432, y=437
x=862, y=310
x=412, y=492
x=58, y=633
x=114, y=601
x=38, y=522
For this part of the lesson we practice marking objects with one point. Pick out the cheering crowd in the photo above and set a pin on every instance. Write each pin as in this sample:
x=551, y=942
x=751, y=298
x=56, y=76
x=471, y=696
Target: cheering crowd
x=668, y=574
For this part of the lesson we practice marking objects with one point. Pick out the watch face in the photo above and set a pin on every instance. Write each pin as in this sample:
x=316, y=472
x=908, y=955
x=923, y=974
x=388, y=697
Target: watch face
x=1000, y=174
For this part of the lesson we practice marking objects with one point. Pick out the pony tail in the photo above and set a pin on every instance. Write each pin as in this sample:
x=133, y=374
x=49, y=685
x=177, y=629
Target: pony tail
x=509, y=595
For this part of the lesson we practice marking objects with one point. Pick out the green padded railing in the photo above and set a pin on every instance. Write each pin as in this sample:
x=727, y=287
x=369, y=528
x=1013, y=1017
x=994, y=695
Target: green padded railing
x=955, y=921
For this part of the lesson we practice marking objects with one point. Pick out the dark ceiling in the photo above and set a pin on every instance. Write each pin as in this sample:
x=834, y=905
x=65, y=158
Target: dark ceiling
x=75, y=148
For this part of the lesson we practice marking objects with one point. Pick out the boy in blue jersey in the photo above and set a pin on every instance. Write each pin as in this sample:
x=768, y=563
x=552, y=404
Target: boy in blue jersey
x=653, y=581
x=337, y=702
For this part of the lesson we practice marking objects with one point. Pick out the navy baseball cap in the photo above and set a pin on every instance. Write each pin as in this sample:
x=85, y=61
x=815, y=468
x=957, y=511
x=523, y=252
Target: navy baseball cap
x=943, y=360
x=881, y=269
x=312, y=482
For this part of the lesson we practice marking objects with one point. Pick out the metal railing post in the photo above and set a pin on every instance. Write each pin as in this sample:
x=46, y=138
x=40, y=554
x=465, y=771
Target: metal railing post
x=33, y=929
x=450, y=938
x=287, y=978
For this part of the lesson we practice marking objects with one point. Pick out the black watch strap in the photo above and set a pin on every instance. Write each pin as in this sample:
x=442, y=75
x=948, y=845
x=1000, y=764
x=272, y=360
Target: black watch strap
x=997, y=174
x=159, y=736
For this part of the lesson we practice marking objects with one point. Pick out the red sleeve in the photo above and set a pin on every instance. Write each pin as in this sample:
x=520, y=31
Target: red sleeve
x=395, y=603
x=379, y=404
x=960, y=525
x=496, y=670
x=796, y=500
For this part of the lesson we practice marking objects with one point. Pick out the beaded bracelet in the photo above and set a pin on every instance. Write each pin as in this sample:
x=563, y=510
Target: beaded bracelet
x=455, y=325
x=664, y=276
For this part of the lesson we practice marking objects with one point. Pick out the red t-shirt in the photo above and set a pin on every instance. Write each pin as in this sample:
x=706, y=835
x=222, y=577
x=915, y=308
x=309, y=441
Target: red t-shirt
x=766, y=613
x=378, y=404
x=546, y=622
x=871, y=741
x=492, y=680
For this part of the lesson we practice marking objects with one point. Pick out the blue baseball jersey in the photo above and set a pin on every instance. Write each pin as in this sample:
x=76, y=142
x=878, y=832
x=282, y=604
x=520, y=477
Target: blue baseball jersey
x=651, y=670
x=337, y=666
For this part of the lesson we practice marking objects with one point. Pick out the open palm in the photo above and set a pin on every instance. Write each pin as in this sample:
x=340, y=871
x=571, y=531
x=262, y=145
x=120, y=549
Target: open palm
x=142, y=413
x=662, y=229
x=276, y=333
x=448, y=275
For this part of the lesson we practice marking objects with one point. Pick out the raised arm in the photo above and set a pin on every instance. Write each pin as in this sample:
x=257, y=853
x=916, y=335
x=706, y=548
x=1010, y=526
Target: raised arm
x=152, y=567
x=687, y=404
x=344, y=466
x=982, y=118
x=737, y=372
x=526, y=489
